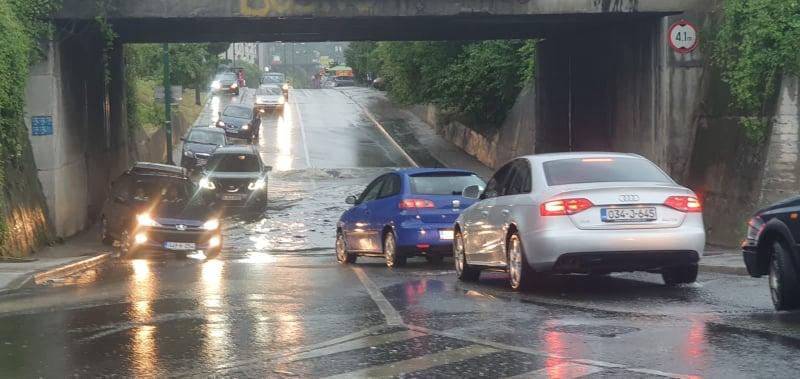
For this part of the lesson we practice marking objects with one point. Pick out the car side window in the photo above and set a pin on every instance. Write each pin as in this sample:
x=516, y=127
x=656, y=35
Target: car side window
x=391, y=186
x=121, y=189
x=519, y=181
x=372, y=191
x=495, y=186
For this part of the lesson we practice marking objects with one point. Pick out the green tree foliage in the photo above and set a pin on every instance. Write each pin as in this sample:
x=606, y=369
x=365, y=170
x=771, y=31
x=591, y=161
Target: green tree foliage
x=757, y=43
x=480, y=80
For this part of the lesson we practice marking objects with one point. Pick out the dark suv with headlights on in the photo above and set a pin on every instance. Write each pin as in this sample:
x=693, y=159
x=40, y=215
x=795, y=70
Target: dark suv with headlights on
x=771, y=248
x=154, y=208
x=236, y=177
x=199, y=144
x=225, y=82
x=240, y=121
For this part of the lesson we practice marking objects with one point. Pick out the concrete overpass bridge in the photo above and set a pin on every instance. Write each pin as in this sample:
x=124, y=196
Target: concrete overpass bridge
x=348, y=20
x=606, y=78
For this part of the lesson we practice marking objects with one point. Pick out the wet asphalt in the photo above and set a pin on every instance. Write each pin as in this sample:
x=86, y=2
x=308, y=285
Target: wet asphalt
x=276, y=304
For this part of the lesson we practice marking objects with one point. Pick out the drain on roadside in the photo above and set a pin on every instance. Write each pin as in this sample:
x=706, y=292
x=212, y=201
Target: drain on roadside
x=607, y=331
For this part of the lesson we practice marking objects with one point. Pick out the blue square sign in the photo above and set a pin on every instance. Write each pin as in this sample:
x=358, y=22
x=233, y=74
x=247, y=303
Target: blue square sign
x=42, y=125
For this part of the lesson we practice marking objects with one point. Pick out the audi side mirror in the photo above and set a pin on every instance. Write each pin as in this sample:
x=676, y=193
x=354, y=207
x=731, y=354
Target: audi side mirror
x=351, y=200
x=472, y=192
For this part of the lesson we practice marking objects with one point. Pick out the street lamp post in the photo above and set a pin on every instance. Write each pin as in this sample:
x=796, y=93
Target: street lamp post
x=167, y=104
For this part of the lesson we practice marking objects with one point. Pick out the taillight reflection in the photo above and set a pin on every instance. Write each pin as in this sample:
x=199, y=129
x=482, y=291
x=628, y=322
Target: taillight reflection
x=416, y=204
x=684, y=203
x=564, y=207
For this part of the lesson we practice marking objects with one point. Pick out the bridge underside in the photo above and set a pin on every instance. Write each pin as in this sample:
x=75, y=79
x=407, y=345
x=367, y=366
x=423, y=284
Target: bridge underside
x=312, y=29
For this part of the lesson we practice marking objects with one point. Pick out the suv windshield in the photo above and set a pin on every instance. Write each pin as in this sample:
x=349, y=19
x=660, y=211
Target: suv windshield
x=269, y=91
x=163, y=190
x=443, y=184
x=234, y=163
x=598, y=170
x=227, y=77
x=274, y=79
x=237, y=112
x=206, y=137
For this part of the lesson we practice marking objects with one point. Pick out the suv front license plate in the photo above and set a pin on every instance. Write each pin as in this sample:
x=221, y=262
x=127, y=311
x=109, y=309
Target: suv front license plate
x=180, y=246
x=630, y=214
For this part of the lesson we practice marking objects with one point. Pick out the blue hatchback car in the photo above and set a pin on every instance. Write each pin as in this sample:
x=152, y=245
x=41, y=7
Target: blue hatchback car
x=404, y=213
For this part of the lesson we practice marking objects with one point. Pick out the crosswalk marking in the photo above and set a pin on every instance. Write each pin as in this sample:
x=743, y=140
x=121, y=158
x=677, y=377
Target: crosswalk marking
x=419, y=363
x=560, y=371
x=353, y=345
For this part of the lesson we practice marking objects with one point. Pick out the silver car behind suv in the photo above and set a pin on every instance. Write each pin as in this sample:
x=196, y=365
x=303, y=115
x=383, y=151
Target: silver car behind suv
x=580, y=213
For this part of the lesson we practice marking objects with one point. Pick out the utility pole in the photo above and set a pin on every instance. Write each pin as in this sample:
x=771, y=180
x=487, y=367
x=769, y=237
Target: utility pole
x=167, y=104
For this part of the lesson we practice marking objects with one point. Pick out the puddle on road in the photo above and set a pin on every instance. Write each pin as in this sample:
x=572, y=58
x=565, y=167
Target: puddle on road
x=304, y=207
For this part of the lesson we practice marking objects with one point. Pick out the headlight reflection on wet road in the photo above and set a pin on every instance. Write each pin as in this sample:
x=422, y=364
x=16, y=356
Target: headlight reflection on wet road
x=142, y=290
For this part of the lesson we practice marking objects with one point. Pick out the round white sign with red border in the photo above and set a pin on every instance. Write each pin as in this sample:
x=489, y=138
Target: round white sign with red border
x=683, y=37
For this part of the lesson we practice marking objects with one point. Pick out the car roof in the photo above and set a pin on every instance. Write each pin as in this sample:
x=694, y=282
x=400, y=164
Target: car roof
x=158, y=169
x=418, y=171
x=208, y=129
x=540, y=158
x=236, y=149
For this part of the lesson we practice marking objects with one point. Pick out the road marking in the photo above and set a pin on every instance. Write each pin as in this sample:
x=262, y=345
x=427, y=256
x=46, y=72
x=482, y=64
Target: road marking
x=419, y=363
x=392, y=316
x=296, y=107
x=562, y=371
x=660, y=373
x=381, y=128
x=354, y=345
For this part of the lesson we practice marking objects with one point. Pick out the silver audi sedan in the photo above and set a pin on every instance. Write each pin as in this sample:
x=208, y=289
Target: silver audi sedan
x=580, y=213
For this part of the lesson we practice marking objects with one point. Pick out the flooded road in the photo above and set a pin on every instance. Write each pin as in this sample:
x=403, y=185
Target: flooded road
x=275, y=304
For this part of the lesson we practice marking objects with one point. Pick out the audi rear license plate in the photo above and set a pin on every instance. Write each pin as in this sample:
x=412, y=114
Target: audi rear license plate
x=445, y=234
x=180, y=246
x=629, y=214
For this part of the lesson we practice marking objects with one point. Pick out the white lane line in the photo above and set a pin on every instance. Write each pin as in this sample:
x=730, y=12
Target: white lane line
x=381, y=128
x=660, y=373
x=392, y=316
x=360, y=343
x=300, y=122
x=561, y=371
x=420, y=363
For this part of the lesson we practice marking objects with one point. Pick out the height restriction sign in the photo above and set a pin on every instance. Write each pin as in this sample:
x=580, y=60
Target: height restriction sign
x=683, y=37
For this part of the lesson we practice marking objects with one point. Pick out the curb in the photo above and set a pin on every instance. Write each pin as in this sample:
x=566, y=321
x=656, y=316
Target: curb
x=68, y=269
x=372, y=118
x=730, y=270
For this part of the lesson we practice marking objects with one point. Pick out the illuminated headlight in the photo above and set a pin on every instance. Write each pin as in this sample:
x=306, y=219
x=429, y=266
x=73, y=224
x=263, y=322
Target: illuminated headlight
x=188, y=154
x=207, y=184
x=259, y=184
x=285, y=87
x=234, y=86
x=214, y=242
x=144, y=219
x=220, y=124
x=212, y=224
x=140, y=238
x=281, y=100
x=245, y=127
x=216, y=85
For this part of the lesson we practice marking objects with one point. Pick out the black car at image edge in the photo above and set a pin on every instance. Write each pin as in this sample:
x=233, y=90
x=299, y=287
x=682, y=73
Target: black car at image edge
x=771, y=248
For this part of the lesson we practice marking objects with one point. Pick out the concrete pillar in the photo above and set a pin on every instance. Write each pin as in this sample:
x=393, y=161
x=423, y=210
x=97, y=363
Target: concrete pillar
x=781, y=170
x=59, y=157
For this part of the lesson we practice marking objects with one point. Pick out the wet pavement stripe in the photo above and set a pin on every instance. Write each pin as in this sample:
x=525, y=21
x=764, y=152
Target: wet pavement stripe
x=562, y=371
x=418, y=363
x=302, y=125
x=360, y=343
x=495, y=365
x=659, y=373
x=393, y=317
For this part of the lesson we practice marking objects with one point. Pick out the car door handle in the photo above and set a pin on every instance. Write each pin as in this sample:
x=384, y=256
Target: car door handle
x=506, y=212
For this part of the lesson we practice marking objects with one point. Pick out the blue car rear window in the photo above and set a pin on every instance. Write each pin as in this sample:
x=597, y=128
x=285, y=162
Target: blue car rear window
x=443, y=184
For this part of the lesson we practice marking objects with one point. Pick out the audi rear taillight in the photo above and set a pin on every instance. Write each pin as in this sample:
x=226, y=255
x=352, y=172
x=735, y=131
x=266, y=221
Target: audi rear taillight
x=684, y=203
x=564, y=207
x=416, y=204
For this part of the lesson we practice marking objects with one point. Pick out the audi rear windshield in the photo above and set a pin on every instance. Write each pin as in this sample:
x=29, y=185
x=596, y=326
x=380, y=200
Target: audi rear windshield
x=601, y=170
x=443, y=184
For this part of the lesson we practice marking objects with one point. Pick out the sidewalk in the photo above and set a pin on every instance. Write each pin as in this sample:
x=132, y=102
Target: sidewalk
x=431, y=150
x=74, y=255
